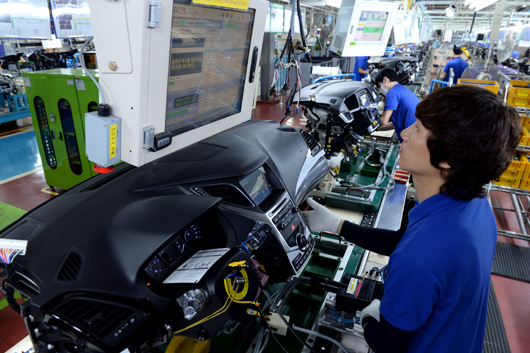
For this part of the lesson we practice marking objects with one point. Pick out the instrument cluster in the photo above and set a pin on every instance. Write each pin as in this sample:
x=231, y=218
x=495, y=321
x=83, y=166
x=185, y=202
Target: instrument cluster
x=174, y=254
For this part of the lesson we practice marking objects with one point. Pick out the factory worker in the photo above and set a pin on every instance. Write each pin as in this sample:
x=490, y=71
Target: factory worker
x=515, y=54
x=361, y=67
x=438, y=278
x=400, y=102
x=457, y=64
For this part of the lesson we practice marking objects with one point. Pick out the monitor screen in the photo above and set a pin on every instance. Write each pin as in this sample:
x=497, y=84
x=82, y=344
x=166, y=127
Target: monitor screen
x=257, y=185
x=207, y=66
x=371, y=26
x=363, y=28
x=176, y=71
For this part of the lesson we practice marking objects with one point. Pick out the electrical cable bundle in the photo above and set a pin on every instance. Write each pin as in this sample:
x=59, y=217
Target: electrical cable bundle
x=276, y=303
x=289, y=50
x=375, y=186
x=11, y=248
x=8, y=255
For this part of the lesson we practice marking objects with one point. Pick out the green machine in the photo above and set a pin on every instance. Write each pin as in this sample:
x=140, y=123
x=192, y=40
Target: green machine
x=58, y=100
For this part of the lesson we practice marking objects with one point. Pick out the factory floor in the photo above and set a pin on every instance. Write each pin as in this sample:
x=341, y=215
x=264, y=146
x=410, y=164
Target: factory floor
x=22, y=185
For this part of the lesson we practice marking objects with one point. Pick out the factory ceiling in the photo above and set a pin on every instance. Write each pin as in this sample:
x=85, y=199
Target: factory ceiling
x=516, y=12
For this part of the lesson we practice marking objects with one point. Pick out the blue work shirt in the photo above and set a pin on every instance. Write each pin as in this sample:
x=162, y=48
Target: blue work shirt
x=403, y=102
x=439, y=275
x=516, y=54
x=459, y=65
x=360, y=62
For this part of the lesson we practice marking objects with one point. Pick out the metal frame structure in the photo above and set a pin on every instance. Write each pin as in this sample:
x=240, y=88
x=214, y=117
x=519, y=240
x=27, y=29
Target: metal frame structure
x=521, y=212
x=517, y=196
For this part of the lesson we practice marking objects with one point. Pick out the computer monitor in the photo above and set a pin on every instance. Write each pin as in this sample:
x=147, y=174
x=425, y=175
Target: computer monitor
x=180, y=69
x=363, y=28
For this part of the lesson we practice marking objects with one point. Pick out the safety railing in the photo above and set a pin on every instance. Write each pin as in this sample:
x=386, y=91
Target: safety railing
x=443, y=83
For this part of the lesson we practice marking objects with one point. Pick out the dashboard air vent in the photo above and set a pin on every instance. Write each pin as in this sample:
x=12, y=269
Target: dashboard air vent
x=283, y=215
x=102, y=319
x=71, y=267
x=310, y=142
x=228, y=193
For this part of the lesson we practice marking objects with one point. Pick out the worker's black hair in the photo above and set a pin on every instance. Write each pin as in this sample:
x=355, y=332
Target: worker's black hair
x=473, y=132
x=386, y=72
x=457, y=51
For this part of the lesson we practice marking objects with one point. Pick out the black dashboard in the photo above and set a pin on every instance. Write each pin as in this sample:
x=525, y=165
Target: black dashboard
x=109, y=244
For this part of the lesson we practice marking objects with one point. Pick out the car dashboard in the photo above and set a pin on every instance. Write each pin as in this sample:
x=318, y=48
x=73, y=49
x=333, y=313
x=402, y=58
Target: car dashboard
x=100, y=257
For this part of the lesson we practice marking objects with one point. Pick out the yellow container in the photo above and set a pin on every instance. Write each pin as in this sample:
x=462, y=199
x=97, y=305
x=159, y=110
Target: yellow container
x=525, y=184
x=525, y=138
x=520, y=162
x=525, y=120
x=519, y=89
x=517, y=101
x=526, y=176
x=492, y=86
x=513, y=183
x=513, y=174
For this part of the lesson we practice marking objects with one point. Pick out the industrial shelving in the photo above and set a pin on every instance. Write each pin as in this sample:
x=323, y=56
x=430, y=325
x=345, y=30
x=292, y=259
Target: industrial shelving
x=520, y=198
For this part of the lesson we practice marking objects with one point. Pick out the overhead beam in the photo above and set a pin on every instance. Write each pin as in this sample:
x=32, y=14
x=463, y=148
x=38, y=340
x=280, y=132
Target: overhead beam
x=449, y=2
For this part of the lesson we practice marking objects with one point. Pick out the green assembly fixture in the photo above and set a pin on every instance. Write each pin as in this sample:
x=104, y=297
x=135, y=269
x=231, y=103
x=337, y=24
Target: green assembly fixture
x=58, y=100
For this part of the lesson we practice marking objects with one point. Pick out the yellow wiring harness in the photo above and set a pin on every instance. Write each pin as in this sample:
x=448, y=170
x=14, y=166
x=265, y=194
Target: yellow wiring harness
x=233, y=296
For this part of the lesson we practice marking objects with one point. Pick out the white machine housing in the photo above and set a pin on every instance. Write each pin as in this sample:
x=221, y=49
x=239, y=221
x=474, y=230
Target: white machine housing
x=351, y=37
x=133, y=41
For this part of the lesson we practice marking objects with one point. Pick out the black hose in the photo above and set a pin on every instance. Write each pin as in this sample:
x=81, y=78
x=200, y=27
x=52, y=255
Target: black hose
x=321, y=47
x=284, y=47
x=302, y=32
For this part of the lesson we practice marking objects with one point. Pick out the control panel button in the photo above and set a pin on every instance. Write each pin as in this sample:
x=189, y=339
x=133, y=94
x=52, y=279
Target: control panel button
x=301, y=241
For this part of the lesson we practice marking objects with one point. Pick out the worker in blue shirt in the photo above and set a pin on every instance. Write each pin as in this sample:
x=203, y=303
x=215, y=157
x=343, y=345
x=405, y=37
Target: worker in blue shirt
x=457, y=64
x=438, y=275
x=400, y=102
x=361, y=67
x=516, y=54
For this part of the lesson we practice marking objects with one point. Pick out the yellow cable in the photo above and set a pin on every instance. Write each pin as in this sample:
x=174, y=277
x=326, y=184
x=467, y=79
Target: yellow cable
x=227, y=303
x=223, y=309
x=236, y=296
x=228, y=292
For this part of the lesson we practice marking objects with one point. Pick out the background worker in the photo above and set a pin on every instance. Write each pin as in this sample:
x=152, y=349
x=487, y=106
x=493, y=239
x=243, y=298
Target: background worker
x=439, y=271
x=400, y=102
x=361, y=67
x=515, y=54
x=457, y=64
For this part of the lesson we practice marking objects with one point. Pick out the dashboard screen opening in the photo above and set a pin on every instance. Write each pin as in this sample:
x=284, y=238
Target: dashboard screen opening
x=257, y=185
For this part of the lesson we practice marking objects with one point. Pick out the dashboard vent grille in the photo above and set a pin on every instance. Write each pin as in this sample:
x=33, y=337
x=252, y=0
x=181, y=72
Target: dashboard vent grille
x=283, y=215
x=71, y=267
x=99, y=318
x=228, y=193
x=310, y=142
